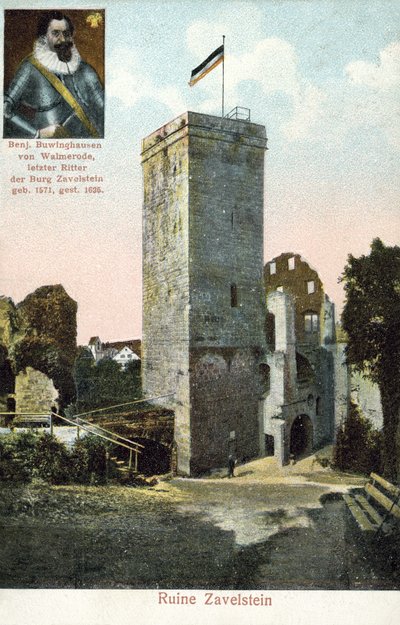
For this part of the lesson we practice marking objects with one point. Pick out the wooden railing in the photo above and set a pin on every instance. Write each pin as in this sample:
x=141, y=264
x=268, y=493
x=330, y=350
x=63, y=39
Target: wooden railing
x=107, y=435
x=87, y=426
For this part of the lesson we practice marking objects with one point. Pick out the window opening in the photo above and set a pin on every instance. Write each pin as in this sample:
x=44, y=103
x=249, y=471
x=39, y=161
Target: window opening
x=311, y=323
x=234, y=296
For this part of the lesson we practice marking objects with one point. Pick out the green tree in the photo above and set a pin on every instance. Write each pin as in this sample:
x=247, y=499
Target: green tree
x=84, y=378
x=16, y=456
x=358, y=444
x=371, y=319
x=104, y=383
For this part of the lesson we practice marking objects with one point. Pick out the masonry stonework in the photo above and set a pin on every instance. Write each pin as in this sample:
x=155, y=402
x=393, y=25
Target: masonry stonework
x=299, y=409
x=35, y=392
x=203, y=298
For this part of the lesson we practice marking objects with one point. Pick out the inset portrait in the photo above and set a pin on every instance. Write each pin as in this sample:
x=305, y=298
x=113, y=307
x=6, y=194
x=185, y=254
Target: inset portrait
x=54, y=74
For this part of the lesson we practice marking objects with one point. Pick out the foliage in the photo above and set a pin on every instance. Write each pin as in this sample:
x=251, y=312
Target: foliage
x=371, y=320
x=51, y=312
x=51, y=460
x=105, y=383
x=341, y=336
x=16, y=456
x=358, y=444
x=48, y=337
x=89, y=460
x=80, y=463
x=24, y=455
x=7, y=383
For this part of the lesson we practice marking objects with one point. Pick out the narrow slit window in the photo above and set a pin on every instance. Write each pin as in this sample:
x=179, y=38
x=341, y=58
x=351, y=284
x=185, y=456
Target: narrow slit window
x=234, y=296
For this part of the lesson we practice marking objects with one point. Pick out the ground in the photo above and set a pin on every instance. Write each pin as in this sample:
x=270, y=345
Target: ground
x=267, y=528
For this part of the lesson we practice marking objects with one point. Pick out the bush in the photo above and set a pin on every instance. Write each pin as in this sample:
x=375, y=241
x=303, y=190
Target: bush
x=16, y=456
x=358, y=444
x=25, y=455
x=80, y=463
x=51, y=460
x=89, y=462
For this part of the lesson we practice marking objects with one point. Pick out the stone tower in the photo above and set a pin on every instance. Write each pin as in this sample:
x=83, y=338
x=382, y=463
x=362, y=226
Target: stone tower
x=203, y=293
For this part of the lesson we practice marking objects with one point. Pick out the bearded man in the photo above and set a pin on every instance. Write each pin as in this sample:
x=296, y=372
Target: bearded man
x=54, y=93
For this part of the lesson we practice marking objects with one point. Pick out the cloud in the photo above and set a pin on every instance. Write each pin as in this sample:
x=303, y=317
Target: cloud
x=241, y=23
x=308, y=107
x=365, y=98
x=384, y=75
x=130, y=84
x=273, y=64
x=369, y=97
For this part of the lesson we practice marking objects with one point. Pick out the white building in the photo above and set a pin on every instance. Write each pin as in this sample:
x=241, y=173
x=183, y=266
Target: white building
x=120, y=351
x=124, y=356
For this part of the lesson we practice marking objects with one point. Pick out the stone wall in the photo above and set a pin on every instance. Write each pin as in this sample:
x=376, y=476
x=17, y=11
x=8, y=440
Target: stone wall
x=7, y=312
x=165, y=353
x=294, y=281
x=367, y=396
x=302, y=383
x=203, y=298
x=34, y=392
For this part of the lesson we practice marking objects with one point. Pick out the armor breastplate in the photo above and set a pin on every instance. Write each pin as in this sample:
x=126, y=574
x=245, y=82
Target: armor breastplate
x=31, y=102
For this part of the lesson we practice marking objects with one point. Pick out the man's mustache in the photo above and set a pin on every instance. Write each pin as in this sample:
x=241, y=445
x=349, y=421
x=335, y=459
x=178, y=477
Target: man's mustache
x=63, y=46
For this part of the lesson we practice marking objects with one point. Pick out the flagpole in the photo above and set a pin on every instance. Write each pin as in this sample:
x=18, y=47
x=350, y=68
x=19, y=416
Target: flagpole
x=223, y=74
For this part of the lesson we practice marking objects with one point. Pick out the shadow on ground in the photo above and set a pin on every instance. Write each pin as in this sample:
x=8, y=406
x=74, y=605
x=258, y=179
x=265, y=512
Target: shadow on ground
x=331, y=554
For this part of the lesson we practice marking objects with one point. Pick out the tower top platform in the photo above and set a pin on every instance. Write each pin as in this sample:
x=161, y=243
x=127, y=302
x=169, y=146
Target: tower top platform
x=207, y=126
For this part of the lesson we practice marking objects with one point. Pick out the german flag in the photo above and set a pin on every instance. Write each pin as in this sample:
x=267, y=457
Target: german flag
x=206, y=66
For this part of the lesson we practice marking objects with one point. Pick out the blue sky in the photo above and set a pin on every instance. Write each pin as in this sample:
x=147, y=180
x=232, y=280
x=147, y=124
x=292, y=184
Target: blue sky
x=323, y=77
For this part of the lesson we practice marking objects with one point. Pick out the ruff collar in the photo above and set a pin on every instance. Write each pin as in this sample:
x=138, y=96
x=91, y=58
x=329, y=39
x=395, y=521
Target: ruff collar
x=50, y=60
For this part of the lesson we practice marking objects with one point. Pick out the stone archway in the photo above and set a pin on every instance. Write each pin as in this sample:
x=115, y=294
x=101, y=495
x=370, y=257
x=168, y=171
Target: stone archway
x=301, y=436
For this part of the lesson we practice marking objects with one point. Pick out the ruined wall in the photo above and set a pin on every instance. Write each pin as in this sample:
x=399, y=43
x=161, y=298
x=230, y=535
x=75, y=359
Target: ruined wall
x=350, y=385
x=366, y=395
x=295, y=281
x=7, y=315
x=203, y=302
x=34, y=392
x=342, y=384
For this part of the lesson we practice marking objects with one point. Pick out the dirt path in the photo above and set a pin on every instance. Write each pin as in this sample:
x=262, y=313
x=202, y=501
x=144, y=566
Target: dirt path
x=267, y=528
